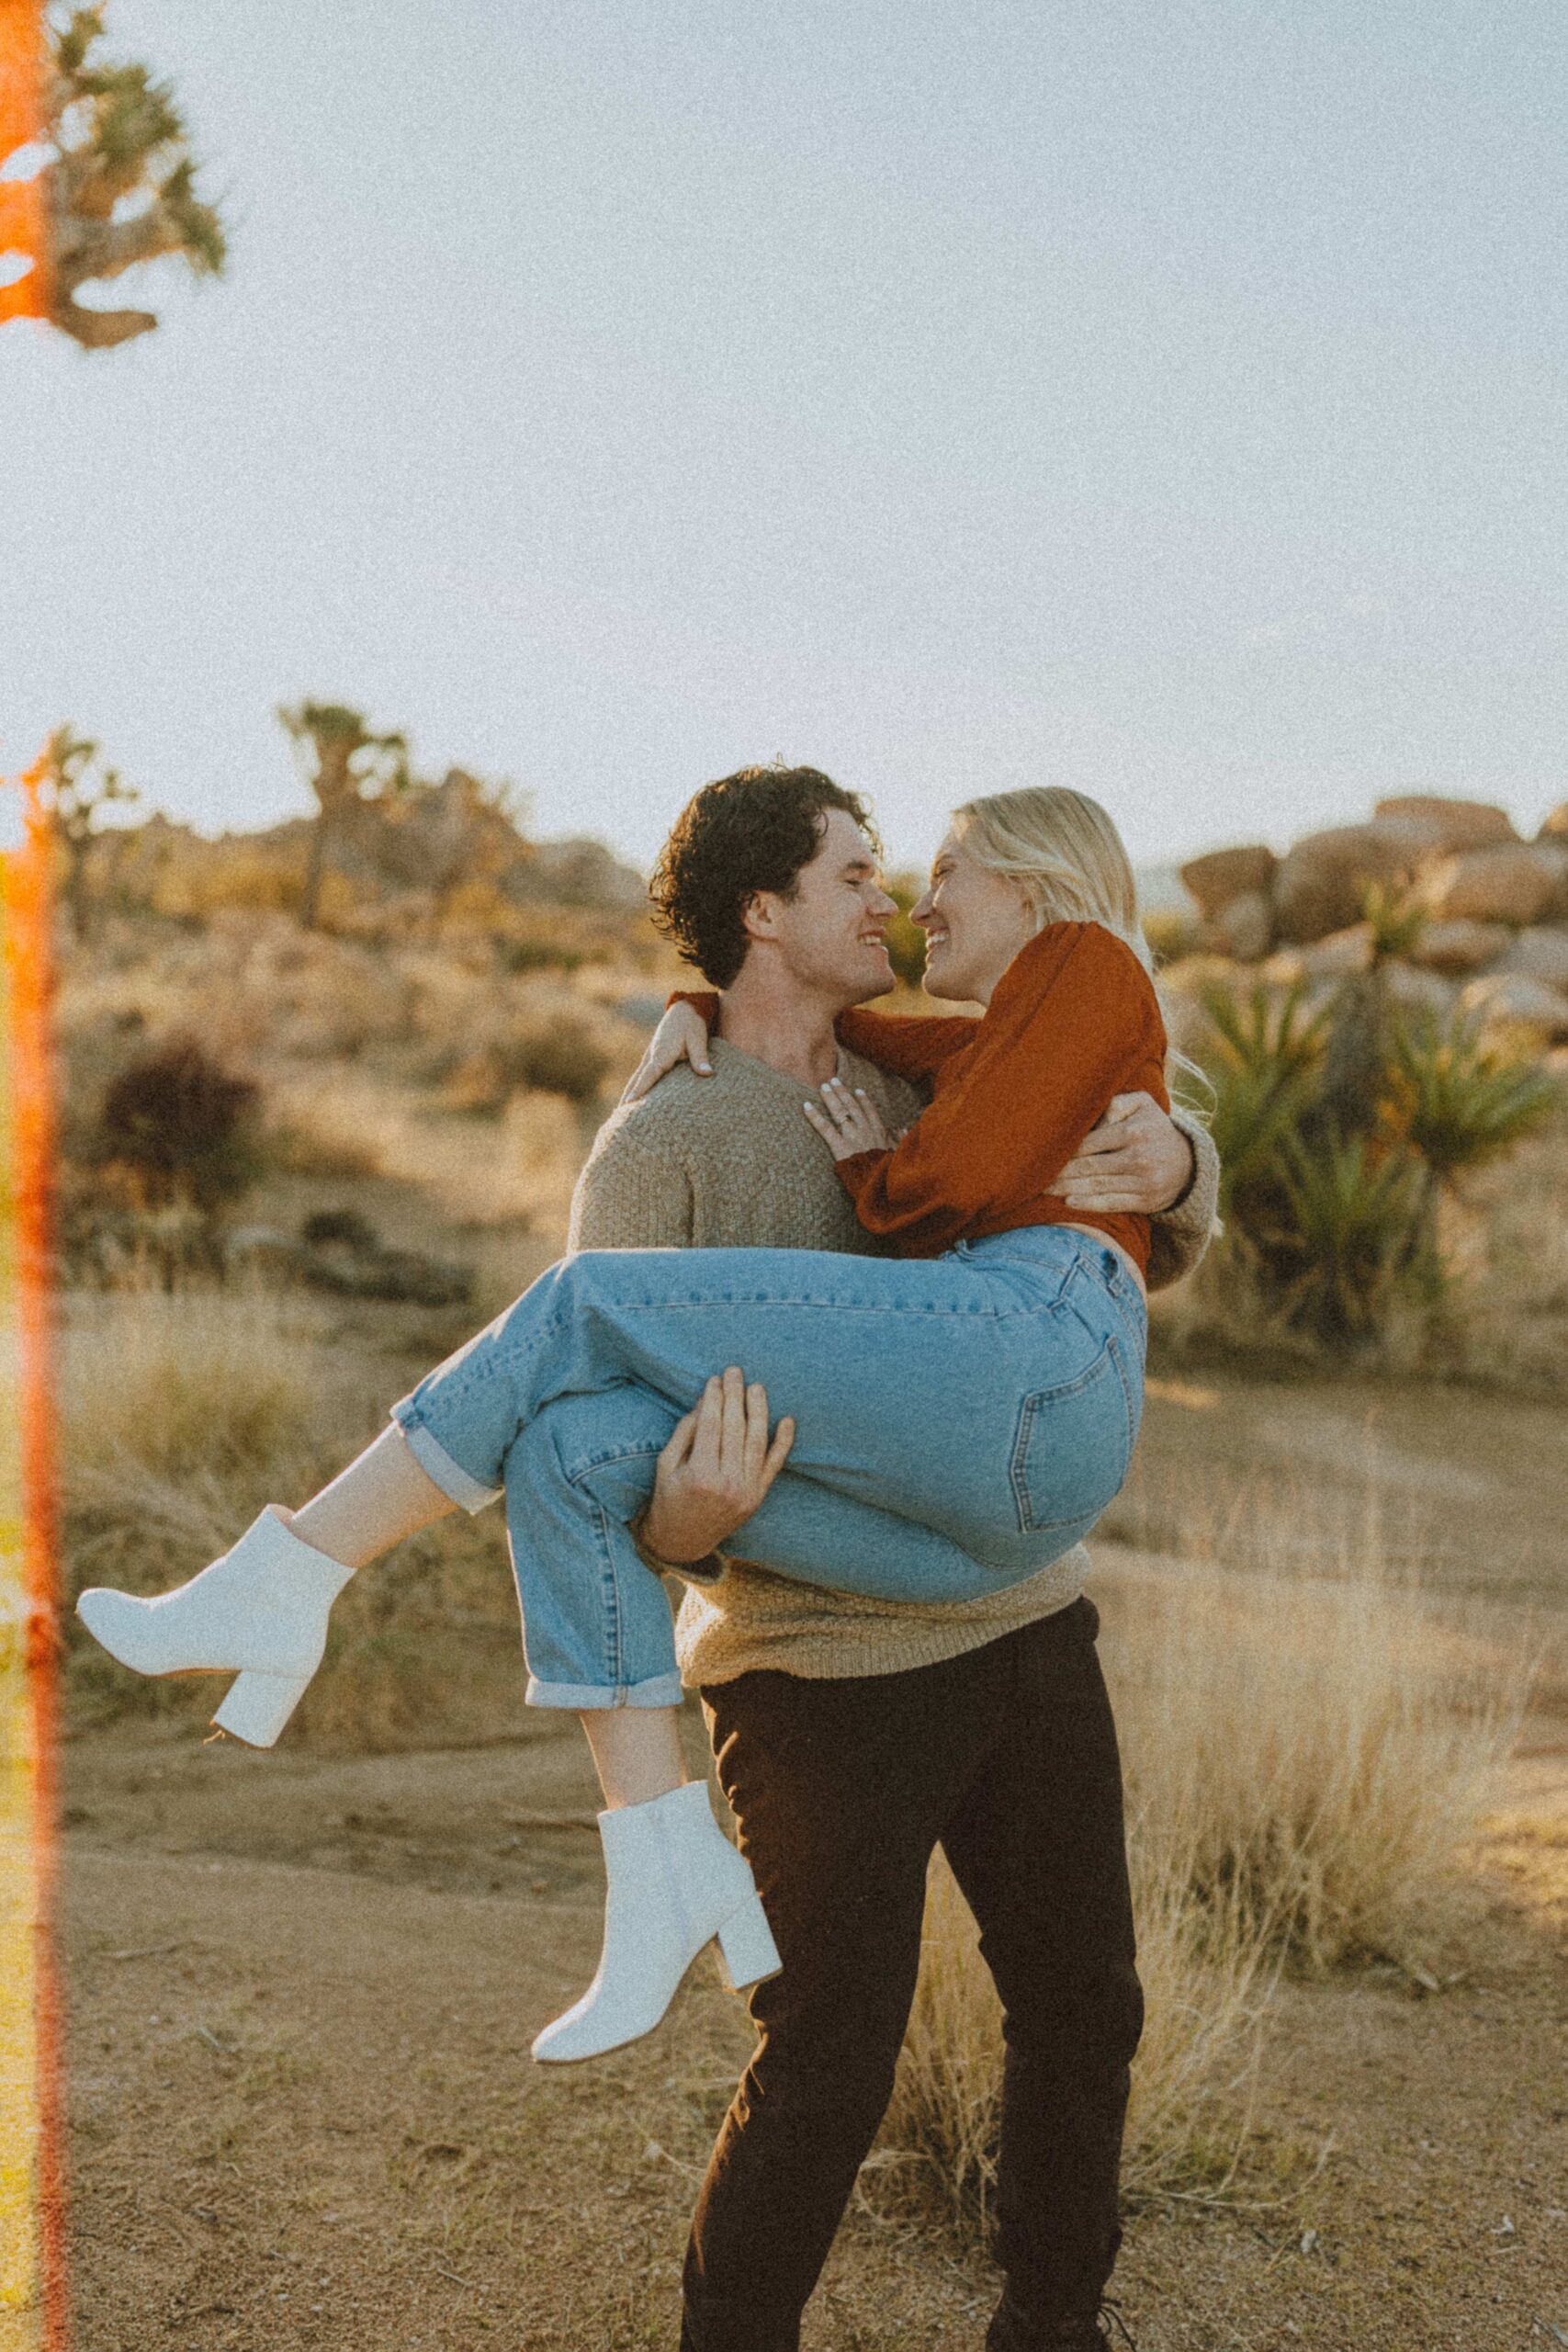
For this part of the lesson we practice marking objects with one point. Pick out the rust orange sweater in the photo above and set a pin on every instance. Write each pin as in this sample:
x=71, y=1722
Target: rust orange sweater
x=1072, y=1022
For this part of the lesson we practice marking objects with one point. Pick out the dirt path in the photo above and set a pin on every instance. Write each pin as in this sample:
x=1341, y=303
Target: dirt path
x=303, y=2113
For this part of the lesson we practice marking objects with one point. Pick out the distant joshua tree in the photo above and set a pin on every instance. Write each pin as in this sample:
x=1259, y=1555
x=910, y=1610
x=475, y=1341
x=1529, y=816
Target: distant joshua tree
x=121, y=187
x=351, y=764
x=75, y=786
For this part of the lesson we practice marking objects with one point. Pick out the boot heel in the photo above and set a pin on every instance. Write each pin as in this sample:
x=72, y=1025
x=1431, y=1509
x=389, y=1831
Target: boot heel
x=258, y=1705
x=747, y=1950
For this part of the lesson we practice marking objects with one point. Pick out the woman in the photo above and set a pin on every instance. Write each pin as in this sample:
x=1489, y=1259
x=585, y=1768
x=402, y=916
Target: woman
x=963, y=1409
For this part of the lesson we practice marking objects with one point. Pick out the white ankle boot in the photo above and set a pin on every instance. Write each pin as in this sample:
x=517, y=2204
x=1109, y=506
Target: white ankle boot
x=260, y=1609
x=674, y=1881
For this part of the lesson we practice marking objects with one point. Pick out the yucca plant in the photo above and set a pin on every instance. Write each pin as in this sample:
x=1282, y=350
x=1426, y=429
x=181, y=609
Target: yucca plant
x=1396, y=920
x=1461, y=1102
x=1341, y=1126
x=1264, y=1065
x=1355, y=1226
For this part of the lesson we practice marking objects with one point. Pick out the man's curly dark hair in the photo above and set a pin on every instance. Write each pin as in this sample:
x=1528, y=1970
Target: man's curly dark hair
x=749, y=831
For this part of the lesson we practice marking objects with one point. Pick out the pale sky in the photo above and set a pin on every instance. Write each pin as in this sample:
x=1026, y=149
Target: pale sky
x=1168, y=399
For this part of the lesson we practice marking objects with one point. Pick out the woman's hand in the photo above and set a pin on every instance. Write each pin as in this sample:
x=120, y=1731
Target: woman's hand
x=715, y=1471
x=848, y=1123
x=682, y=1036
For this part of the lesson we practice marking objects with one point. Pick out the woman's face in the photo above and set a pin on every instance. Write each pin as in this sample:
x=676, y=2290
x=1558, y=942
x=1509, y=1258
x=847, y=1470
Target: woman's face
x=975, y=922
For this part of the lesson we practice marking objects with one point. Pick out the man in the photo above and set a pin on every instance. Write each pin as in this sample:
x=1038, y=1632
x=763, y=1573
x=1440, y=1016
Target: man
x=852, y=1735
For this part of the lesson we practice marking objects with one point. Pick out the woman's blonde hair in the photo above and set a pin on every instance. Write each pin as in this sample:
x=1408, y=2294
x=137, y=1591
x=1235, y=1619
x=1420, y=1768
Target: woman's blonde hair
x=1072, y=865
x=1062, y=850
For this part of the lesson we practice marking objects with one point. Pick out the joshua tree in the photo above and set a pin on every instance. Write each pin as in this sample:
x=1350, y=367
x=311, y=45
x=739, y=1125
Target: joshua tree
x=76, y=786
x=120, y=188
x=350, y=765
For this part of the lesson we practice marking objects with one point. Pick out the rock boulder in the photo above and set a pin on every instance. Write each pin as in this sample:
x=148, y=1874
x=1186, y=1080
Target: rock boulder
x=1539, y=954
x=1514, y=884
x=1450, y=825
x=1418, y=991
x=1217, y=880
x=1460, y=948
x=1505, y=998
x=1339, y=956
x=1322, y=882
x=1245, y=929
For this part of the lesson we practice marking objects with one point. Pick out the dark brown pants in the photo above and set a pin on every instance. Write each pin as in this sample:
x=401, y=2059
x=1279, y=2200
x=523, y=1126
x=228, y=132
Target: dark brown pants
x=1006, y=1756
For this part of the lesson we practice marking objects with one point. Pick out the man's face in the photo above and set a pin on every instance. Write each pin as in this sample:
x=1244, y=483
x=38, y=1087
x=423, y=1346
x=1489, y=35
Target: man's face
x=829, y=937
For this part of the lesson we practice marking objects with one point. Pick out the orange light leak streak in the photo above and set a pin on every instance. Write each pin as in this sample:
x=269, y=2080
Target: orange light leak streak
x=39, y=2240
x=24, y=227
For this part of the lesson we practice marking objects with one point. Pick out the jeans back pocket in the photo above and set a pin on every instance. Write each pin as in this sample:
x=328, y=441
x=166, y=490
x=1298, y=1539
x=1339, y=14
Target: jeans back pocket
x=1074, y=1443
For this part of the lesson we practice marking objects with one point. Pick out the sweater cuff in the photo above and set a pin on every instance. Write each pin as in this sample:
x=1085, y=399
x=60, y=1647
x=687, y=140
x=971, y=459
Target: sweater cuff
x=857, y=1171
x=709, y=1570
x=1180, y=1234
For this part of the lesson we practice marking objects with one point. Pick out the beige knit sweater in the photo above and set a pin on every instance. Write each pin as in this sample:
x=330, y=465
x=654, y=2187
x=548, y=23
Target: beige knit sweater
x=730, y=1162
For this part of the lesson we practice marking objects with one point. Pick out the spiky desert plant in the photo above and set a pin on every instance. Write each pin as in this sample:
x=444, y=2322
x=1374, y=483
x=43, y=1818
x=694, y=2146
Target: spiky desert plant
x=1339, y=1129
x=348, y=762
x=1460, y=1101
x=76, y=786
x=119, y=186
x=1264, y=1063
x=1354, y=1226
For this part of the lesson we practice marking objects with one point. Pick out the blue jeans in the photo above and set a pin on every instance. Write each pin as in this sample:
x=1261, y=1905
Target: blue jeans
x=960, y=1423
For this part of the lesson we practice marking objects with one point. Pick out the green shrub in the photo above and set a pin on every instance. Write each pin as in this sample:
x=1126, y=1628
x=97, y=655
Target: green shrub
x=1462, y=1102
x=178, y=1128
x=541, y=955
x=1339, y=1127
x=563, y=1058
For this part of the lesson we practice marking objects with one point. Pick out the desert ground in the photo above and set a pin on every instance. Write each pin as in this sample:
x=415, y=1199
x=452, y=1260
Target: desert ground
x=302, y=1986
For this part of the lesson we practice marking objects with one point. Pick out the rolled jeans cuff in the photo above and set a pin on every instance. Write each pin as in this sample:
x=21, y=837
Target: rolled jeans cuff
x=659, y=1690
x=438, y=1464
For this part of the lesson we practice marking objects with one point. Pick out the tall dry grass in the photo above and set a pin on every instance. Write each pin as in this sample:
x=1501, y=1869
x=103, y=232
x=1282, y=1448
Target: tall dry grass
x=1306, y=1750
x=1305, y=1745
x=177, y=1407
x=181, y=1417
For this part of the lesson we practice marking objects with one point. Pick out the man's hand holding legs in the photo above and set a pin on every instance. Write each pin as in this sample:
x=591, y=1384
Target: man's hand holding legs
x=715, y=1471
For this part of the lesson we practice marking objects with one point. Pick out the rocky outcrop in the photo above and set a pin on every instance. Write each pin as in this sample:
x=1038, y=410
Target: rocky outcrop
x=1460, y=948
x=1222, y=877
x=1322, y=884
x=1514, y=884
x=1245, y=928
x=1444, y=892
x=1508, y=999
x=1449, y=826
x=1539, y=953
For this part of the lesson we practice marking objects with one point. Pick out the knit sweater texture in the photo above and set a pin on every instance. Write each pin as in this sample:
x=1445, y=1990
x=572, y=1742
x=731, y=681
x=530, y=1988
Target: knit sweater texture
x=731, y=1162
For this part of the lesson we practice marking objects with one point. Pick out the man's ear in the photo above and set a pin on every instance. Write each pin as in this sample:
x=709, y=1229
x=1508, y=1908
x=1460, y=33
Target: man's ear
x=759, y=915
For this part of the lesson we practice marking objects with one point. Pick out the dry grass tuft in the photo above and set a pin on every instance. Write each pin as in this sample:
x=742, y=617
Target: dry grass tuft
x=186, y=1384
x=1305, y=1753
x=1313, y=1745
x=181, y=1416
